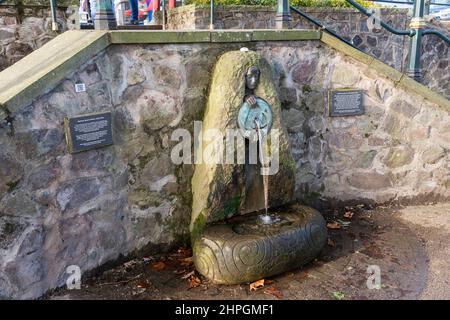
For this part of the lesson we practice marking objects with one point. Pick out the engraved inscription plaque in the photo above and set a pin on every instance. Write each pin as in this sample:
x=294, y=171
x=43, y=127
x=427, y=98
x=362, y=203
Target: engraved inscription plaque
x=88, y=132
x=346, y=102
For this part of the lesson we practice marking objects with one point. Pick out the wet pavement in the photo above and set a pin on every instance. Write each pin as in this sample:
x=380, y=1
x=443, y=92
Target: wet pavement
x=407, y=245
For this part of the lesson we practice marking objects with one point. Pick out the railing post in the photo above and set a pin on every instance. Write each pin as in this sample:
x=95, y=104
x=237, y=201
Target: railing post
x=211, y=16
x=53, y=8
x=427, y=8
x=283, y=19
x=417, y=23
x=163, y=5
x=104, y=17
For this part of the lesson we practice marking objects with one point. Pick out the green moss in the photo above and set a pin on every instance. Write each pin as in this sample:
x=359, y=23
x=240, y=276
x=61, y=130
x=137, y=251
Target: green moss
x=230, y=208
x=177, y=226
x=12, y=185
x=306, y=88
x=309, y=197
x=143, y=160
x=198, y=227
x=287, y=161
x=9, y=228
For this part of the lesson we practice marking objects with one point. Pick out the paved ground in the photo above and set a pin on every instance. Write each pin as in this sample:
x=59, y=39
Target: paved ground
x=408, y=244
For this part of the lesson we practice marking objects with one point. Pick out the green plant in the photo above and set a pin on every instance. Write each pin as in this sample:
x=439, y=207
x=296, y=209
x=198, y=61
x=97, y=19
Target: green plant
x=295, y=3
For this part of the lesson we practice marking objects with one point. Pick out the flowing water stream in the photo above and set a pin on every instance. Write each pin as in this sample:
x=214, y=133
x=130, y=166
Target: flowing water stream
x=265, y=218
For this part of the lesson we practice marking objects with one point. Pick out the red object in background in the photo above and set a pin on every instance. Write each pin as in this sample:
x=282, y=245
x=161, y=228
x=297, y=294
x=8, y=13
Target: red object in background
x=155, y=5
x=142, y=12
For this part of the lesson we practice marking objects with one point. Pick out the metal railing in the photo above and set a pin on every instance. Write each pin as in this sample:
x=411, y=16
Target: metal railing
x=321, y=26
x=389, y=28
x=416, y=31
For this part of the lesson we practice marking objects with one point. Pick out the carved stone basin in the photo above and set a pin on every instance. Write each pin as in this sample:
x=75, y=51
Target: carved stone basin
x=249, y=250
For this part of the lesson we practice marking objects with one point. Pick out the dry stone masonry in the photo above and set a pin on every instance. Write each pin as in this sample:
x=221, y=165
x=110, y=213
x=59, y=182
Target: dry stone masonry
x=26, y=25
x=349, y=23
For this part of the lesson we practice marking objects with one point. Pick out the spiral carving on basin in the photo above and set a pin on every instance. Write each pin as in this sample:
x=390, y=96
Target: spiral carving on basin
x=246, y=251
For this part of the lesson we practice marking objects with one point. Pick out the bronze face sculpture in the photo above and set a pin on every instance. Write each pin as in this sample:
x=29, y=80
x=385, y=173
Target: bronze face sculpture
x=255, y=111
x=251, y=82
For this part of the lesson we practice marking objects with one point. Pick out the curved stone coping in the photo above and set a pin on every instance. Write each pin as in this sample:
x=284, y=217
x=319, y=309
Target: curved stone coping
x=217, y=36
x=399, y=79
x=246, y=251
x=41, y=70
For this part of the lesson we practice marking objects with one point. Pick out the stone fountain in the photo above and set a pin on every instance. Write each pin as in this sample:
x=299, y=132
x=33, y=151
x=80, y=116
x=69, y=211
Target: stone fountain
x=232, y=242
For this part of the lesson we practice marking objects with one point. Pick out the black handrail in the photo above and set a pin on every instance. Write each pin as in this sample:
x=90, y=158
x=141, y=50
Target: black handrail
x=437, y=33
x=410, y=32
x=321, y=26
x=410, y=2
x=369, y=13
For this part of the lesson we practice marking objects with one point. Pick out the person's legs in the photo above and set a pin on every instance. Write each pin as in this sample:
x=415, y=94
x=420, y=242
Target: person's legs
x=134, y=11
x=93, y=9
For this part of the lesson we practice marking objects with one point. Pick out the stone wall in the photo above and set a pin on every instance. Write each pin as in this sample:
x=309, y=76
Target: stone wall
x=26, y=26
x=59, y=209
x=349, y=23
x=436, y=60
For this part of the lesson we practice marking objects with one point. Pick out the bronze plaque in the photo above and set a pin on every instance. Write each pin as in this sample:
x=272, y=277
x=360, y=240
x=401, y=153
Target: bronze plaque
x=88, y=132
x=346, y=102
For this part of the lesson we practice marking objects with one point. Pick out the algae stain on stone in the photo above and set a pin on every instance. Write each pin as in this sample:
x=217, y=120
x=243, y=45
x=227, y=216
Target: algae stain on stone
x=12, y=185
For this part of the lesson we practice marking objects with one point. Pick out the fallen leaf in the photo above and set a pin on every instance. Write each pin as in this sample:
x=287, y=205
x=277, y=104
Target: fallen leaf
x=190, y=274
x=338, y=295
x=331, y=243
x=267, y=282
x=194, y=282
x=186, y=262
x=180, y=271
x=333, y=225
x=256, y=285
x=303, y=275
x=159, y=266
x=143, y=285
x=348, y=214
x=274, y=292
x=185, y=251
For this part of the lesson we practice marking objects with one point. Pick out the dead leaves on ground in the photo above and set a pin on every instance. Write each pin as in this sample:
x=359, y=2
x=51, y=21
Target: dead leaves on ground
x=333, y=225
x=186, y=262
x=274, y=292
x=182, y=257
x=186, y=252
x=257, y=285
x=194, y=281
x=159, y=266
x=348, y=214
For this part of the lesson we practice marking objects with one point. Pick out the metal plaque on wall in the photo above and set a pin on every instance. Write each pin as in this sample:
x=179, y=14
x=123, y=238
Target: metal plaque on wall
x=346, y=102
x=88, y=132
